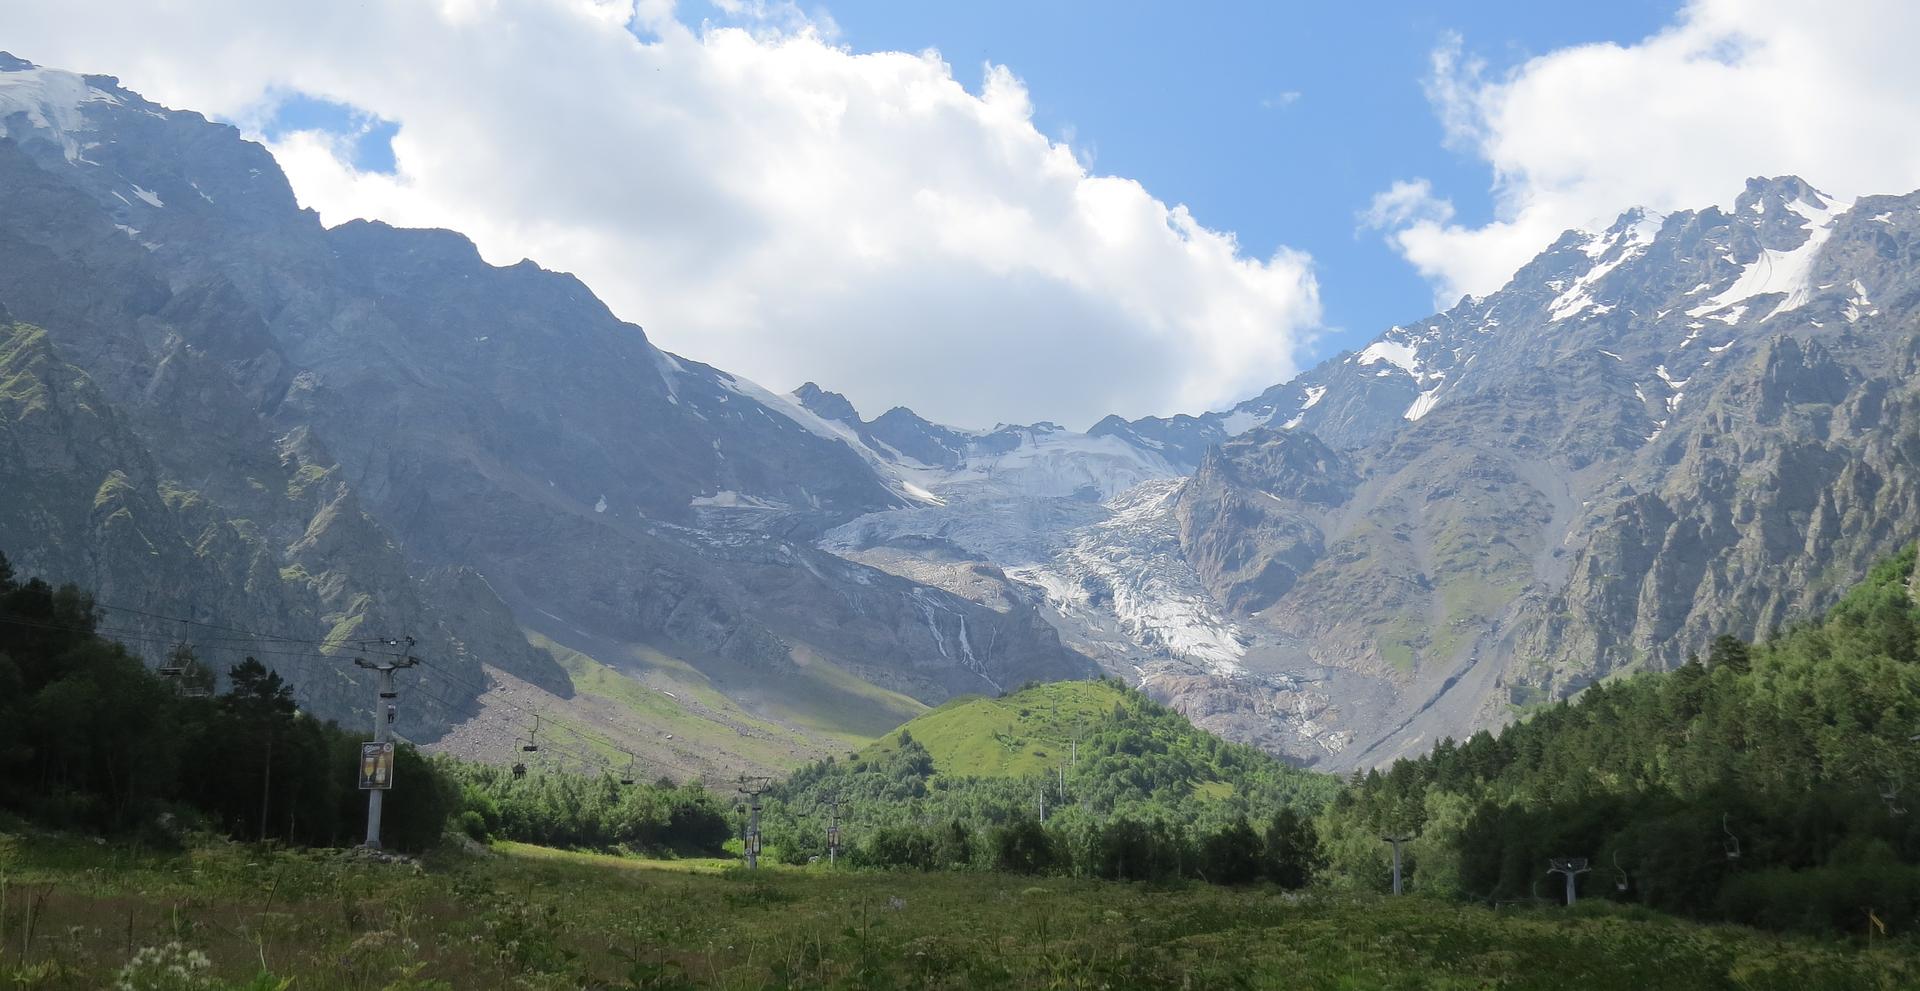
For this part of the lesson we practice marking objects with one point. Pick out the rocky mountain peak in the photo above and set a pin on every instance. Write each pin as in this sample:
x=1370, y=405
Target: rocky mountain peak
x=1291, y=464
x=827, y=405
x=1763, y=193
x=928, y=443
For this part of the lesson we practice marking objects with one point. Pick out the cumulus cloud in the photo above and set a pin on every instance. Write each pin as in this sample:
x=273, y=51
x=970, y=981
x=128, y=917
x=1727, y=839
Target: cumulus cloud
x=1732, y=89
x=756, y=195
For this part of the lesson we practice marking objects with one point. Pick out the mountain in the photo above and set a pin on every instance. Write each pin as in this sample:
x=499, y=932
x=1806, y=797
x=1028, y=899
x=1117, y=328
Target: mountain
x=1680, y=426
x=219, y=410
x=331, y=433
x=1677, y=427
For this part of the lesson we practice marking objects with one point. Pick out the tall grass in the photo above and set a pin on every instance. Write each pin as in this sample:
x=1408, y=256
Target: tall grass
x=524, y=918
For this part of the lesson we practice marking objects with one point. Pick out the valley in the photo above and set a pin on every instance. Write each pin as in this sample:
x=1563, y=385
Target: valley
x=573, y=495
x=1684, y=425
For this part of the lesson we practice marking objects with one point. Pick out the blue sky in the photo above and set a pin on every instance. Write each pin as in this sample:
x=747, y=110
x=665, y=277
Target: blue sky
x=1193, y=101
x=367, y=140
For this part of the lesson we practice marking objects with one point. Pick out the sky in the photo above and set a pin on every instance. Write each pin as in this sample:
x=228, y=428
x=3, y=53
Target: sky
x=1007, y=212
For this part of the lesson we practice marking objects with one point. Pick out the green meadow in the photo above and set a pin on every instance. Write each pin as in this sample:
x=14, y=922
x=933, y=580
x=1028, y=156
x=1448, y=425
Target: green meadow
x=79, y=915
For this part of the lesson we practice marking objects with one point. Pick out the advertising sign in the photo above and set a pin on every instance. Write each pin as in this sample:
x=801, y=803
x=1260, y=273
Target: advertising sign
x=376, y=766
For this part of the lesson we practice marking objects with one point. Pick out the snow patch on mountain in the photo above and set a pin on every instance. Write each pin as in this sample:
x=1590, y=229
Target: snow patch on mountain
x=1608, y=250
x=1424, y=404
x=1858, y=305
x=1401, y=356
x=53, y=101
x=1242, y=420
x=1783, y=272
x=729, y=499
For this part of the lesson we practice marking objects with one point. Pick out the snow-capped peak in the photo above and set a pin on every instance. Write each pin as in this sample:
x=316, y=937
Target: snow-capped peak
x=1609, y=249
x=51, y=99
x=1783, y=271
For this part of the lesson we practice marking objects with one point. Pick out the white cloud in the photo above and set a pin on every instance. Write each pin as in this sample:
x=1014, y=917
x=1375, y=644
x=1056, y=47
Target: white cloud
x=756, y=196
x=1733, y=89
x=1407, y=202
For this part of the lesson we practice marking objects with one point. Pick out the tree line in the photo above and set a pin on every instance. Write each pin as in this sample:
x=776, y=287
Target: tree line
x=1775, y=784
x=93, y=739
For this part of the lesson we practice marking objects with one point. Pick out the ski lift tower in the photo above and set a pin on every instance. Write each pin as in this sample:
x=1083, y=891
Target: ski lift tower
x=753, y=787
x=1396, y=839
x=376, y=758
x=1572, y=867
x=833, y=832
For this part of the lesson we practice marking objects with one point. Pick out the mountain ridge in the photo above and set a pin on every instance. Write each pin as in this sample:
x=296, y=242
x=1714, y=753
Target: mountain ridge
x=1680, y=425
x=496, y=422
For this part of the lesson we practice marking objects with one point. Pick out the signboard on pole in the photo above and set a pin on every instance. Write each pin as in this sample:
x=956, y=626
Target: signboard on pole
x=376, y=766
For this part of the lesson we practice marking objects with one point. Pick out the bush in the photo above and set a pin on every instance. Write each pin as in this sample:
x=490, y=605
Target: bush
x=898, y=846
x=1291, y=855
x=1825, y=899
x=1232, y=854
x=474, y=825
x=1024, y=848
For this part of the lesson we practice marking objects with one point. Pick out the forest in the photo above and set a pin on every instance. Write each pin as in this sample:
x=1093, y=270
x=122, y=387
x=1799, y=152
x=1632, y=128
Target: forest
x=1769, y=784
x=92, y=739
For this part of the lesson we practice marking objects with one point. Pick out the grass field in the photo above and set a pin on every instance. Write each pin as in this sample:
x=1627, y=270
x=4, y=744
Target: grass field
x=76, y=913
x=1028, y=732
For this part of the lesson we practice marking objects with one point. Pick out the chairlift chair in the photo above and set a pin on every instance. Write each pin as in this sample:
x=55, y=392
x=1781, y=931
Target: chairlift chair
x=532, y=746
x=519, y=770
x=626, y=778
x=1620, y=880
x=1733, y=842
x=1891, y=796
x=175, y=672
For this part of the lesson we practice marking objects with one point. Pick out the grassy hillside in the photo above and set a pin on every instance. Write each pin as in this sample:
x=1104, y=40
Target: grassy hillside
x=710, y=723
x=1029, y=732
x=1109, y=771
x=77, y=916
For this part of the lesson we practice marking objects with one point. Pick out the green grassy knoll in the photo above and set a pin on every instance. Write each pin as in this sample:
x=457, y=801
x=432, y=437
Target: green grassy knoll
x=986, y=762
x=1028, y=732
x=76, y=913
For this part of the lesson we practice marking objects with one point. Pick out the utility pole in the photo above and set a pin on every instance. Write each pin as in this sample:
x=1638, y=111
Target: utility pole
x=266, y=788
x=1572, y=867
x=385, y=710
x=753, y=788
x=833, y=832
x=1396, y=839
x=1043, y=803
